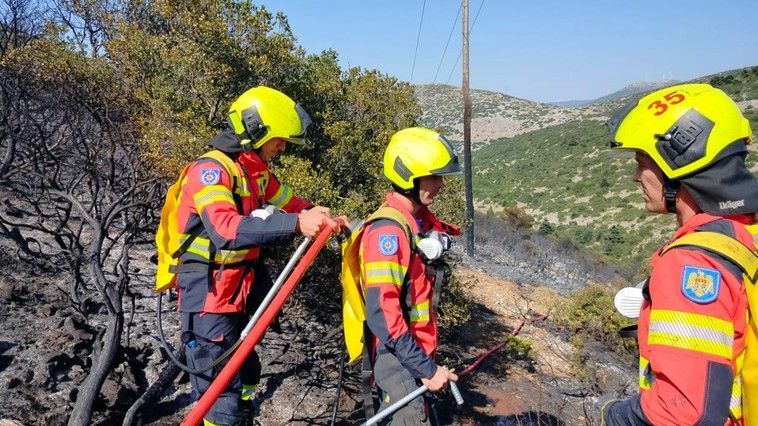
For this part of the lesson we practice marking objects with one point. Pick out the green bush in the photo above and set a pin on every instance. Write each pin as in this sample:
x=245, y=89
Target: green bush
x=518, y=348
x=455, y=303
x=590, y=312
x=546, y=228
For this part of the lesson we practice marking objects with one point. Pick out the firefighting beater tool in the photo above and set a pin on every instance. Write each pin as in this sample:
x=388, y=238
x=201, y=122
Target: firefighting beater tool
x=258, y=329
x=258, y=313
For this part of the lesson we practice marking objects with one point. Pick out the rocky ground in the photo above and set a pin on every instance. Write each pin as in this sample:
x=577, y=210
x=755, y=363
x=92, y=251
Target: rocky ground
x=46, y=345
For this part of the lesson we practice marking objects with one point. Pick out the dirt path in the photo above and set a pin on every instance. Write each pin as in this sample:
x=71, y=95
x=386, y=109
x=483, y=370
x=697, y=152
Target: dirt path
x=513, y=387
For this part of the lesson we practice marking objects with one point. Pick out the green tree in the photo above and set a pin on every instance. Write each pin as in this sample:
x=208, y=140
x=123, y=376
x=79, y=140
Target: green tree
x=157, y=78
x=614, y=241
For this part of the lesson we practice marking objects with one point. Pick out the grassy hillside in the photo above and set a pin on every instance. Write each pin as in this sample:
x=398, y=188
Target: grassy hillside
x=566, y=178
x=742, y=86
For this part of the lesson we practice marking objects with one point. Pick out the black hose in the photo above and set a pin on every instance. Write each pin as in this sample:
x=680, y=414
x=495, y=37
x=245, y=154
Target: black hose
x=339, y=386
x=170, y=350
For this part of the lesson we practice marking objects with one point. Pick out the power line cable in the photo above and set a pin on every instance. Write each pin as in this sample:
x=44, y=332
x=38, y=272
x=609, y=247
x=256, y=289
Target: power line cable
x=418, y=38
x=471, y=28
x=455, y=22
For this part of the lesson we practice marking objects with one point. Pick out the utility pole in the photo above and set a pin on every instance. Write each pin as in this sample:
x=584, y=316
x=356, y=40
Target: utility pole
x=468, y=186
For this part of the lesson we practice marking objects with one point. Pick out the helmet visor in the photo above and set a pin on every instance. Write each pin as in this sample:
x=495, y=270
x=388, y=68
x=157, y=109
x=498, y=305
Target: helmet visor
x=452, y=167
x=305, y=121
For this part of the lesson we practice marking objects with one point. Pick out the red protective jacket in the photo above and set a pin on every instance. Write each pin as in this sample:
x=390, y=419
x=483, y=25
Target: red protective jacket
x=399, y=289
x=228, y=238
x=692, y=329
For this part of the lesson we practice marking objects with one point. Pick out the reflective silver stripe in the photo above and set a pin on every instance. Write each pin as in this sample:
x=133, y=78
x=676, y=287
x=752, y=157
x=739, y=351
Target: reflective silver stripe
x=646, y=375
x=247, y=392
x=243, y=189
x=198, y=246
x=420, y=312
x=206, y=196
x=229, y=256
x=201, y=247
x=691, y=331
x=735, y=402
x=396, y=274
x=282, y=196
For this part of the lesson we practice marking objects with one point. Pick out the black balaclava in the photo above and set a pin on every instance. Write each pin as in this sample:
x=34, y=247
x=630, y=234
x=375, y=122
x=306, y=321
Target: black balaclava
x=726, y=187
x=227, y=141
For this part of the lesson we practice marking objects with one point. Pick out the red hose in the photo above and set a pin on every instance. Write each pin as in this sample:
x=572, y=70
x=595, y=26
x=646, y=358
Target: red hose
x=221, y=382
x=499, y=346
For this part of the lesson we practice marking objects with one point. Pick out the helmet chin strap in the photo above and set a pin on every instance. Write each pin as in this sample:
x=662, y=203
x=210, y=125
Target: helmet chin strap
x=670, y=189
x=412, y=194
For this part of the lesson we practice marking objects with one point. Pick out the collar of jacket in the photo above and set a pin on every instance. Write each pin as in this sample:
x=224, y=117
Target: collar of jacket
x=404, y=206
x=252, y=162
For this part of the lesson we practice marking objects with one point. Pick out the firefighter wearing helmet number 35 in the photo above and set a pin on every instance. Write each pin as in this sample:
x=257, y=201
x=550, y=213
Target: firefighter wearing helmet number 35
x=696, y=331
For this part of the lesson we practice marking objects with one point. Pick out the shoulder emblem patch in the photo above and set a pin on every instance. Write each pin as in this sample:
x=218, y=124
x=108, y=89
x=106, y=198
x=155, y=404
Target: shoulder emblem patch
x=210, y=176
x=701, y=285
x=388, y=244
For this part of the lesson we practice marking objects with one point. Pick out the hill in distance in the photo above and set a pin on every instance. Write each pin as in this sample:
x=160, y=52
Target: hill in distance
x=570, y=182
x=632, y=89
x=494, y=115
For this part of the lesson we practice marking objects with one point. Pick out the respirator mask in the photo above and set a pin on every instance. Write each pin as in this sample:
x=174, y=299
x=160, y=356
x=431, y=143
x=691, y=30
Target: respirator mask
x=433, y=245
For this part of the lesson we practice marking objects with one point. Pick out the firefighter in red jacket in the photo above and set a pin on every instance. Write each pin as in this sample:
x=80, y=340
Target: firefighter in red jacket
x=225, y=226
x=399, y=282
x=690, y=147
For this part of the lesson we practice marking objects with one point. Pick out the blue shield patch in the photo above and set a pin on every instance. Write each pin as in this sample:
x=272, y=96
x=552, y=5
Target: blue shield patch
x=210, y=176
x=701, y=285
x=388, y=244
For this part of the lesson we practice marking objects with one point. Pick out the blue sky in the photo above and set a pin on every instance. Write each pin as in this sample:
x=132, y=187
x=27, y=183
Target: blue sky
x=538, y=50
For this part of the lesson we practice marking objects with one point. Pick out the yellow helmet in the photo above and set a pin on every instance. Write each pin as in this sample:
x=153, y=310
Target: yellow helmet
x=262, y=114
x=697, y=136
x=416, y=152
x=682, y=128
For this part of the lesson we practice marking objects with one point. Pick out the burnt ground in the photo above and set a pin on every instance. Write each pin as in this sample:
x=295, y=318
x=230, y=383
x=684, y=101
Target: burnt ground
x=46, y=344
x=542, y=386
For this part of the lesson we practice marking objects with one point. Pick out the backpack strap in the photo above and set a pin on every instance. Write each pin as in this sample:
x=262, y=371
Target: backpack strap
x=227, y=163
x=193, y=232
x=367, y=365
x=728, y=247
x=231, y=169
x=393, y=214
